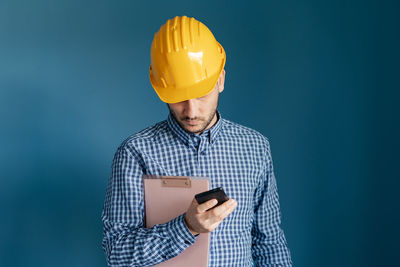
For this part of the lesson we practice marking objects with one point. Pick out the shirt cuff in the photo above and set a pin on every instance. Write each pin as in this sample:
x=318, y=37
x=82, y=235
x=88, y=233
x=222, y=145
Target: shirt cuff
x=179, y=232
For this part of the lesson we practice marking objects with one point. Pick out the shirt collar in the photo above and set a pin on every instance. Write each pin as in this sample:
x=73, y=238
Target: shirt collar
x=211, y=134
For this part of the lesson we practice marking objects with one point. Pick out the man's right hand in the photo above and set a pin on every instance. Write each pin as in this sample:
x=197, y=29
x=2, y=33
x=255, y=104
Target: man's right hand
x=199, y=220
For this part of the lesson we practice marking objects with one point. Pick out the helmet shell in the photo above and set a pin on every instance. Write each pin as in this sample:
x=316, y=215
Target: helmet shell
x=186, y=60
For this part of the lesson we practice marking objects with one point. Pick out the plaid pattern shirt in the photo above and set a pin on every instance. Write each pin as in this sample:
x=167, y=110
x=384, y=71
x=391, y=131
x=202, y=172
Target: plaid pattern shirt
x=234, y=157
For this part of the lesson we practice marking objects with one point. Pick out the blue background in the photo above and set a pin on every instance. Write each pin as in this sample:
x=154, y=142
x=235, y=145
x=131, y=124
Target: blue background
x=318, y=78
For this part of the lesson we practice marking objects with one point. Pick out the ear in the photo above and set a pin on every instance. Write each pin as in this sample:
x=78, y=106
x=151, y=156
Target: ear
x=221, y=81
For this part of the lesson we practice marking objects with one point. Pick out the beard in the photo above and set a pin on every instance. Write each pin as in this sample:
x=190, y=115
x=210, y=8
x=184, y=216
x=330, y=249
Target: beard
x=204, y=123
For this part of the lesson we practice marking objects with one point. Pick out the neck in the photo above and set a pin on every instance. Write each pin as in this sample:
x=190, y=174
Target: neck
x=212, y=123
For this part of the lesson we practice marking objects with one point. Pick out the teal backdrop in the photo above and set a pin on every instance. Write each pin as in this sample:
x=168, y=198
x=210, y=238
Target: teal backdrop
x=318, y=78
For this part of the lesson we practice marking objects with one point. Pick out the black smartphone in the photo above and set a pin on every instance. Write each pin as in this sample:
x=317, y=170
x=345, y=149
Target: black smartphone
x=216, y=193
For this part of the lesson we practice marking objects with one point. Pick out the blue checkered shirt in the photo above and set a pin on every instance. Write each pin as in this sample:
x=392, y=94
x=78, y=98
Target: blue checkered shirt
x=234, y=157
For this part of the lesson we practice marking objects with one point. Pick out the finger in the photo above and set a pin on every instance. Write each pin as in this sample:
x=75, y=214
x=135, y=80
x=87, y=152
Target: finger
x=207, y=205
x=219, y=213
x=228, y=211
x=226, y=205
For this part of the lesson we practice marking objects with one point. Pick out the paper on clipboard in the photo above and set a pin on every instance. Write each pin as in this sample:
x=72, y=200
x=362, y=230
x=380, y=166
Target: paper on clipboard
x=167, y=197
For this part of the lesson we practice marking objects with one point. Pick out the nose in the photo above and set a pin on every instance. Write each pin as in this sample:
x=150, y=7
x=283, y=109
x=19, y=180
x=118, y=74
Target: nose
x=190, y=108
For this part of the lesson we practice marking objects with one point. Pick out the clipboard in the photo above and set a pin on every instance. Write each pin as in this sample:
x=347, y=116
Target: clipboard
x=167, y=197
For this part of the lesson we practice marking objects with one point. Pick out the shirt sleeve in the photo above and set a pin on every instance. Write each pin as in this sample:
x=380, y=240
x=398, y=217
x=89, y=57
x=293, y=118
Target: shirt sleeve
x=269, y=246
x=125, y=240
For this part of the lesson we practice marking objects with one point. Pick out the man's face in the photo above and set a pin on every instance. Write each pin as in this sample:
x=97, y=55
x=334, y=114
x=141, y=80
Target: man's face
x=198, y=114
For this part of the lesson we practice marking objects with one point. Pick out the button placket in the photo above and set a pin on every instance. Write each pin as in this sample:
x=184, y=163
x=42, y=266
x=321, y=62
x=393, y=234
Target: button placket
x=196, y=144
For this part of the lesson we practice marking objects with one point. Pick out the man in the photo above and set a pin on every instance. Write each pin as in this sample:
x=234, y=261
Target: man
x=187, y=72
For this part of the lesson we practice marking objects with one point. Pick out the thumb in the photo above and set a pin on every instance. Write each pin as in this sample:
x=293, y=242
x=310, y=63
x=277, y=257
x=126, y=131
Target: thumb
x=207, y=205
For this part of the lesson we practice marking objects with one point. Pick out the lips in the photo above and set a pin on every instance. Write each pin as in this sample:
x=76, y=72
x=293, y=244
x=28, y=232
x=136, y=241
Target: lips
x=191, y=123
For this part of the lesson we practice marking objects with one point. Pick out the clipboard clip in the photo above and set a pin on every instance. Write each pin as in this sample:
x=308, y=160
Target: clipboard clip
x=183, y=182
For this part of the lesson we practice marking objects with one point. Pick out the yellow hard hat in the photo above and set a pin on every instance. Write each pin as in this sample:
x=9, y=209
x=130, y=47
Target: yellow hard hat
x=186, y=60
